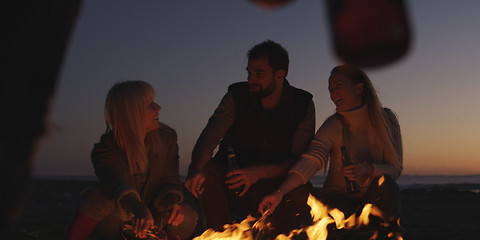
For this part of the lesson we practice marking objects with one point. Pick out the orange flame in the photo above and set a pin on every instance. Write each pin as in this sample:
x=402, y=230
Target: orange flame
x=322, y=216
x=235, y=231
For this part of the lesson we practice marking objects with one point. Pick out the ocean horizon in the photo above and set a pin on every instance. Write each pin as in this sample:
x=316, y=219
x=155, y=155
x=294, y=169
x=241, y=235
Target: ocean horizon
x=427, y=182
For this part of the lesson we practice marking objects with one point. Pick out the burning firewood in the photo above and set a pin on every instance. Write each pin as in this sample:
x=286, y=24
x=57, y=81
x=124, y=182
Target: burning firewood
x=155, y=232
x=326, y=222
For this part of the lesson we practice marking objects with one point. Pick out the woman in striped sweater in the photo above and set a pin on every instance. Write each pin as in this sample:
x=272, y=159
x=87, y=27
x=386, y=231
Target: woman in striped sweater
x=371, y=135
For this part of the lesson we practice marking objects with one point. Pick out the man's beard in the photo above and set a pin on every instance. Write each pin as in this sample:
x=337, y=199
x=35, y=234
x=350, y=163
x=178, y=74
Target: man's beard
x=263, y=92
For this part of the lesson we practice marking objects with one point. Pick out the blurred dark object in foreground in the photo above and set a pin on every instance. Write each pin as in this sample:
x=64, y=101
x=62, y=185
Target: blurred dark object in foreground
x=269, y=4
x=369, y=33
x=36, y=34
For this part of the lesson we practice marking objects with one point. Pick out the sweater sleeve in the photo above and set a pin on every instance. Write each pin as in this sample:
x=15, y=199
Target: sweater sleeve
x=319, y=150
x=393, y=160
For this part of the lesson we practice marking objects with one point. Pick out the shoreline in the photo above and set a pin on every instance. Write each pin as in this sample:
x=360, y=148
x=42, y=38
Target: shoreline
x=425, y=182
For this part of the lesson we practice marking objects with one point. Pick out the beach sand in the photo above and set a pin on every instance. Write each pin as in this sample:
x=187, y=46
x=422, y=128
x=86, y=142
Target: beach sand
x=438, y=213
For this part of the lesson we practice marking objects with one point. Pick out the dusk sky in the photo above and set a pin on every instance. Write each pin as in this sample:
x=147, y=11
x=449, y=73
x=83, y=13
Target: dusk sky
x=190, y=51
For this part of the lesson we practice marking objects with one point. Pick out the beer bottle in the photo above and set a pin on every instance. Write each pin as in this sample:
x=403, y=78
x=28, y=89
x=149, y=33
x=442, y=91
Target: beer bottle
x=352, y=186
x=233, y=165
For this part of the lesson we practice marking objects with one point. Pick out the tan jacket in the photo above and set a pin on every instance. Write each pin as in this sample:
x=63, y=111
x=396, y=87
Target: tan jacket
x=161, y=178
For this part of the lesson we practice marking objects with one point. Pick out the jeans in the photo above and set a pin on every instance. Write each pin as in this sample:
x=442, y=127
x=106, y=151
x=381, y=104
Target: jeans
x=222, y=205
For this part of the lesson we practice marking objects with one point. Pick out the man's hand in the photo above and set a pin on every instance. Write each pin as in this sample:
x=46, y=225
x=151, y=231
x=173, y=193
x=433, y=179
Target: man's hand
x=270, y=202
x=245, y=176
x=195, y=183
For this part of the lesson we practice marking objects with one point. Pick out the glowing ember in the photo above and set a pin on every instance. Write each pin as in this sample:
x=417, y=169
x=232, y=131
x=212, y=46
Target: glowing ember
x=381, y=180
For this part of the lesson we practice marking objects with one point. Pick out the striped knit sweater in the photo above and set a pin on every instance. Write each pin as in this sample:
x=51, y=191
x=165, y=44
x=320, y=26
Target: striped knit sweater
x=365, y=147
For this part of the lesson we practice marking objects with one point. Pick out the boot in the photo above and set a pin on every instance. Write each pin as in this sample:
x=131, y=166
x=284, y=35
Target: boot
x=80, y=227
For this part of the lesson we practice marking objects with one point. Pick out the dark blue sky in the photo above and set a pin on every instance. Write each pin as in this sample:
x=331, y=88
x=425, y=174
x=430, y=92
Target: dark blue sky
x=190, y=51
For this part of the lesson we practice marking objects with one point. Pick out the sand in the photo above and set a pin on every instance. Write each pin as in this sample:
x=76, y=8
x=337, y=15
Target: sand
x=438, y=213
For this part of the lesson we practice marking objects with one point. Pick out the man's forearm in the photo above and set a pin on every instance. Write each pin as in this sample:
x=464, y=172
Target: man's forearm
x=212, y=134
x=201, y=155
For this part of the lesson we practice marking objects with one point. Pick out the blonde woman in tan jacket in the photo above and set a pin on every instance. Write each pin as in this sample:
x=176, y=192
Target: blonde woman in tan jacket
x=136, y=163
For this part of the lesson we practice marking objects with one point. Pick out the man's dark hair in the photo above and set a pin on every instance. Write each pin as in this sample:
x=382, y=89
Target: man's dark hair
x=276, y=54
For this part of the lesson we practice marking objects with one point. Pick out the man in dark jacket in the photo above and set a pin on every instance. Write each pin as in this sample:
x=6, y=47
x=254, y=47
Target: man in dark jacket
x=268, y=124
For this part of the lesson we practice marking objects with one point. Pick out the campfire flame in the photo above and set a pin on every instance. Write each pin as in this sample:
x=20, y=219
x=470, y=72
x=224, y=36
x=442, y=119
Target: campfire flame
x=234, y=231
x=322, y=216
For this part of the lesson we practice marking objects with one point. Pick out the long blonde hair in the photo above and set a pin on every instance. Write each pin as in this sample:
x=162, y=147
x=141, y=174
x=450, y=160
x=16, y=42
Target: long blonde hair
x=377, y=114
x=125, y=106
